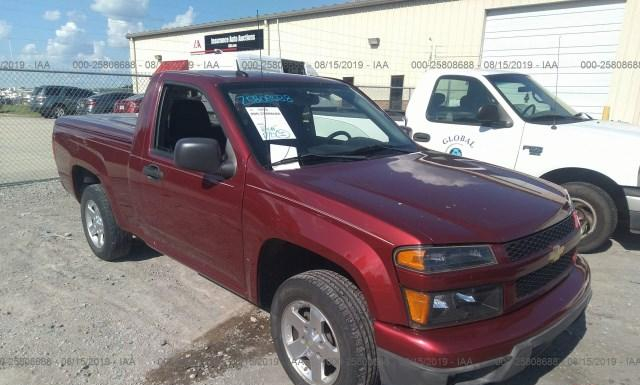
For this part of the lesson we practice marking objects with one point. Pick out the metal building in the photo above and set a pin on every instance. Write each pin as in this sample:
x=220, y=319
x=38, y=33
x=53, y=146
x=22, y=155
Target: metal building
x=587, y=51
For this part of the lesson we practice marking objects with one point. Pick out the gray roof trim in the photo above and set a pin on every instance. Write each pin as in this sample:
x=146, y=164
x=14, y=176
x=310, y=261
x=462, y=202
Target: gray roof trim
x=356, y=4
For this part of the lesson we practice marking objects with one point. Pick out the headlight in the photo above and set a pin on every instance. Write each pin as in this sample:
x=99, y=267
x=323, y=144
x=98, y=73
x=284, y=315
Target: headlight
x=453, y=307
x=441, y=259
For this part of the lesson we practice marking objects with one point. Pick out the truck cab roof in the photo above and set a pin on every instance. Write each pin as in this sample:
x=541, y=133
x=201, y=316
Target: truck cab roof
x=225, y=76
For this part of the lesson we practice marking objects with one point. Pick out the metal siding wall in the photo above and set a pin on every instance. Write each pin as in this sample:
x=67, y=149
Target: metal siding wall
x=456, y=29
x=624, y=93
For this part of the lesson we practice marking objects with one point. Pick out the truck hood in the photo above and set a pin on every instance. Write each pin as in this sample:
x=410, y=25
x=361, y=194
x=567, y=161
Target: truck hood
x=616, y=131
x=608, y=148
x=436, y=198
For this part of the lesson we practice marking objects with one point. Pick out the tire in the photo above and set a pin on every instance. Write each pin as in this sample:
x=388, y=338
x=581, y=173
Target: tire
x=58, y=112
x=345, y=329
x=106, y=239
x=604, y=218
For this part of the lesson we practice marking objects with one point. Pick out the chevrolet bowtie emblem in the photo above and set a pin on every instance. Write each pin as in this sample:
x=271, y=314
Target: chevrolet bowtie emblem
x=556, y=253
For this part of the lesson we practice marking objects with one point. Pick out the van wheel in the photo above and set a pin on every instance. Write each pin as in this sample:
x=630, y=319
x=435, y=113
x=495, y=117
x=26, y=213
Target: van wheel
x=597, y=213
x=106, y=239
x=322, y=331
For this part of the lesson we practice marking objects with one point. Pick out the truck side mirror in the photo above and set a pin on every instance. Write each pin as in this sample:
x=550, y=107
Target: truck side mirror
x=407, y=130
x=200, y=154
x=488, y=114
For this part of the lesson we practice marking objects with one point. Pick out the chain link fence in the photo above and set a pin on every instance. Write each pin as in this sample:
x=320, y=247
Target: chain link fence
x=30, y=100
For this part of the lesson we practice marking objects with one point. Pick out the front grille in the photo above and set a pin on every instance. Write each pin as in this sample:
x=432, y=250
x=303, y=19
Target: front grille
x=536, y=280
x=540, y=241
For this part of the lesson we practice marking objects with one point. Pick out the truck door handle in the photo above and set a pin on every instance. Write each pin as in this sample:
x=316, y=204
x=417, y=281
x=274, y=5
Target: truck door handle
x=533, y=150
x=152, y=171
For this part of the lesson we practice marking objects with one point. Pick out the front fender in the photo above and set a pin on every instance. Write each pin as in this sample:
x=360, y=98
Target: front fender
x=364, y=256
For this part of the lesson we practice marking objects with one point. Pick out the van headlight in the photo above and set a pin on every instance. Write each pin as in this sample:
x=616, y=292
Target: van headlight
x=431, y=260
x=453, y=307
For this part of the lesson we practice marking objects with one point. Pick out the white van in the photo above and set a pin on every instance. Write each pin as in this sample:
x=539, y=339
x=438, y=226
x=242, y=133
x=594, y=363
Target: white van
x=509, y=120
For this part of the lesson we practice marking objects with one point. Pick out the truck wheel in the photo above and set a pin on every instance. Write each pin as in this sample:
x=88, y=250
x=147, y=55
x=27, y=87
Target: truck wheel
x=322, y=331
x=58, y=112
x=107, y=240
x=597, y=213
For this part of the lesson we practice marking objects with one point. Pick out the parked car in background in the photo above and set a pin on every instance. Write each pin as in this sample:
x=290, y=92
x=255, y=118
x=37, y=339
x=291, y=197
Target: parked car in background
x=128, y=105
x=28, y=97
x=57, y=101
x=100, y=103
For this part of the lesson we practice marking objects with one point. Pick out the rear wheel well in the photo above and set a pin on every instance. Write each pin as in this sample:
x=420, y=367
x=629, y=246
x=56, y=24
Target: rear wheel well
x=81, y=179
x=566, y=175
x=280, y=260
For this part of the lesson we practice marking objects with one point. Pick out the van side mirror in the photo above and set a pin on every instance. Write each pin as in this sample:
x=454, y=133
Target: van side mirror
x=201, y=154
x=488, y=114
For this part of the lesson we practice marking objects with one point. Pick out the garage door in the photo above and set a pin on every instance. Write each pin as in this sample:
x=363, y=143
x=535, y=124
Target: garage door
x=566, y=47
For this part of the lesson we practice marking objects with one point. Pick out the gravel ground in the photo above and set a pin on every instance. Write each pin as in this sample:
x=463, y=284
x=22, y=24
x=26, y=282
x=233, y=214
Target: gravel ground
x=68, y=318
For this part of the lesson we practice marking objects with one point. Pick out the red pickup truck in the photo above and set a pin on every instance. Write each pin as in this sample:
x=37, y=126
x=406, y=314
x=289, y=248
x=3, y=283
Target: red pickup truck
x=378, y=259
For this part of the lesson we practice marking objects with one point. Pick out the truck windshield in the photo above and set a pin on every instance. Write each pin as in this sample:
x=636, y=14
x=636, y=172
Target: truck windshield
x=532, y=102
x=297, y=125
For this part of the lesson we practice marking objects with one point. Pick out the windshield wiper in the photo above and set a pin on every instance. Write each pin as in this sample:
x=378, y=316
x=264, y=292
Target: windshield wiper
x=551, y=117
x=306, y=156
x=376, y=148
x=580, y=115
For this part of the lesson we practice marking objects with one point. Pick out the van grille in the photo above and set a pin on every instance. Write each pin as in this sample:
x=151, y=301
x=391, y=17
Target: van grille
x=536, y=280
x=540, y=241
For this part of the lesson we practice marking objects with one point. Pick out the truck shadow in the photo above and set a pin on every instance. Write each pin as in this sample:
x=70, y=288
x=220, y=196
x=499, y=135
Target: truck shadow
x=139, y=252
x=628, y=241
x=555, y=355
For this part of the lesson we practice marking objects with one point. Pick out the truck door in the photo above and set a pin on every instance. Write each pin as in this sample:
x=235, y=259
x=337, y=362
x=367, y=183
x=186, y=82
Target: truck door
x=192, y=217
x=464, y=118
x=543, y=145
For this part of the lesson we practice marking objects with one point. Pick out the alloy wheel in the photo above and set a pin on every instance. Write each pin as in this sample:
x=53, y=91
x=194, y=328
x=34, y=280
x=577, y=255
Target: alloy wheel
x=94, y=224
x=586, y=215
x=310, y=343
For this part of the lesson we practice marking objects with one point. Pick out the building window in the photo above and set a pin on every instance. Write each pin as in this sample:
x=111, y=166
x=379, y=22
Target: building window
x=293, y=67
x=395, y=93
x=348, y=79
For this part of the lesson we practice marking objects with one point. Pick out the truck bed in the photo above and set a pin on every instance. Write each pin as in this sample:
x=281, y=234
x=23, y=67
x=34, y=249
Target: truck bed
x=119, y=127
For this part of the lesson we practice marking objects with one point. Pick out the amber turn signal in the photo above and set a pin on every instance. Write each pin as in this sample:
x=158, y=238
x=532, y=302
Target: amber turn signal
x=411, y=259
x=418, y=305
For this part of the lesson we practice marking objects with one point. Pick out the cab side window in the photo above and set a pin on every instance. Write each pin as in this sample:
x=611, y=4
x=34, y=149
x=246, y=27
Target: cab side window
x=185, y=113
x=457, y=100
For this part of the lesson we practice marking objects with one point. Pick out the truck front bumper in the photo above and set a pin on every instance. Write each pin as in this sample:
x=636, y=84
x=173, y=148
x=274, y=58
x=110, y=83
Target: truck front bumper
x=633, y=202
x=399, y=370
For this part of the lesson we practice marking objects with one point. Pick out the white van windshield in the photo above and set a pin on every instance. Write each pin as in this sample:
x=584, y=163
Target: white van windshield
x=533, y=102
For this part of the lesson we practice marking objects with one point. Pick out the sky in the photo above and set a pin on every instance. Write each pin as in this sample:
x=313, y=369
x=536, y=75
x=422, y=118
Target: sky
x=35, y=32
